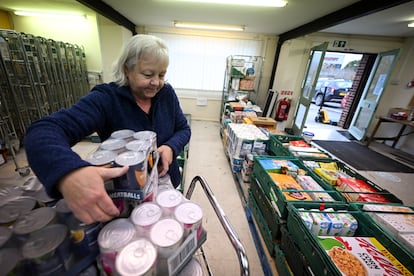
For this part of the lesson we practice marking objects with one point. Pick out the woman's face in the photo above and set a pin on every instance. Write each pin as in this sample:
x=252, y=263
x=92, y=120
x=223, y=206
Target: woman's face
x=146, y=78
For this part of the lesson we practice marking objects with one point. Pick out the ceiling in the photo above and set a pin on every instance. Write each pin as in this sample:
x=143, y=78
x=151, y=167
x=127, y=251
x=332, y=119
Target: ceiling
x=299, y=17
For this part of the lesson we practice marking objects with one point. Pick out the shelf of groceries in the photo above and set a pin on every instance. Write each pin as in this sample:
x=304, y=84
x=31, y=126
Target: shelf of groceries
x=316, y=215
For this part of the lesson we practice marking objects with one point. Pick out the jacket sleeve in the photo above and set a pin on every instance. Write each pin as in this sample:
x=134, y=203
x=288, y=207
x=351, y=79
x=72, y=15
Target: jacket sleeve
x=182, y=131
x=48, y=141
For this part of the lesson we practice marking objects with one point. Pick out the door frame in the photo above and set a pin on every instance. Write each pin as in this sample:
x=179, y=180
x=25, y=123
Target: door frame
x=308, y=86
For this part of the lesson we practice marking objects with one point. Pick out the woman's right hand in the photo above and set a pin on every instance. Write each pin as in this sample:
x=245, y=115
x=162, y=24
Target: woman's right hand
x=84, y=193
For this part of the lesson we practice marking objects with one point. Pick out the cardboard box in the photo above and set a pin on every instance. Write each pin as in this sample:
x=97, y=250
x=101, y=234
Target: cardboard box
x=264, y=122
x=246, y=84
x=236, y=106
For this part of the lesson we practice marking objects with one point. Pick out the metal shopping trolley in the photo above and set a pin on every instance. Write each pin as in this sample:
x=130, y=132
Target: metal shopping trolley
x=231, y=233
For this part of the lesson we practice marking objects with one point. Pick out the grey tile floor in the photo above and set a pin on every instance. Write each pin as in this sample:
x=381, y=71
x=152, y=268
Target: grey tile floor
x=207, y=159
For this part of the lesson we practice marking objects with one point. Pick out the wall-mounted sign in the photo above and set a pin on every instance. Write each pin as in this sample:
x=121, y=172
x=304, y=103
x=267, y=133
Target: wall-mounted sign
x=339, y=43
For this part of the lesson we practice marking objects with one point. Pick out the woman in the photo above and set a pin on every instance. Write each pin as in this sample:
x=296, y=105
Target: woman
x=139, y=99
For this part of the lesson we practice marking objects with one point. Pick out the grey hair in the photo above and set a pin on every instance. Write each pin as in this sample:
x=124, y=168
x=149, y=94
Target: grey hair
x=138, y=47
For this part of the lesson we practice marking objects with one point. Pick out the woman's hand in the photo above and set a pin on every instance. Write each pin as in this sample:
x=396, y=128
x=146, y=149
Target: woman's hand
x=166, y=158
x=84, y=193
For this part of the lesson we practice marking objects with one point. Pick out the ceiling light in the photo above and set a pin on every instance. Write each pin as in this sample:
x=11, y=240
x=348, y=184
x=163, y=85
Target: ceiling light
x=262, y=3
x=411, y=24
x=206, y=26
x=56, y=15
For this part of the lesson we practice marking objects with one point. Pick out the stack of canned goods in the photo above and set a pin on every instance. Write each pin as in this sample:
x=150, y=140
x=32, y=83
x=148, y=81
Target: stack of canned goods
x=152, y=240
x=138, y=151
x=36, y=239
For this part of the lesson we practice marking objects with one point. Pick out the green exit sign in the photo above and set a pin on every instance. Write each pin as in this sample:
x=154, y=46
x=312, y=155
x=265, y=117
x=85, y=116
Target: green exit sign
x=339, y=43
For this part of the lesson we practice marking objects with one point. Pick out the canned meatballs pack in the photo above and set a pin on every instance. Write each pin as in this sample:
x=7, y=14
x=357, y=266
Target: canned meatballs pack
x=138, y=151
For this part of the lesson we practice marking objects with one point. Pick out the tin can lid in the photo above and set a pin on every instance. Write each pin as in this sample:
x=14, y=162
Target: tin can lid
x=34, y=220
x=44, y=241
x=9, y=193
x=9, y=258
x=113, y=144
x=146, y=214
x=62, y=207
x=137, y=258
x=15, y=207
x=188, y=213
x=116, y=234
x=5, y=235
x=130, y=158
x=138, y=145
x=193, y=268
x=169, y=198
x=166, y=232
x=122, y=134
x=32, y=184
x=145, y=135
x=101, y=157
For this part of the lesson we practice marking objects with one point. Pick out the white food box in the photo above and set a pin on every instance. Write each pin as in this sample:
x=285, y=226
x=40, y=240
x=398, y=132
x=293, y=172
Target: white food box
x=321, y=224
x=350, y=224
x=407, y=240
x=307, y=218
x=396, y=223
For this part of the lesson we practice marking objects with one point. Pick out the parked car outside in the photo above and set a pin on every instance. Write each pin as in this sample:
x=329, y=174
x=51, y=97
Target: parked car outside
x=336, y=89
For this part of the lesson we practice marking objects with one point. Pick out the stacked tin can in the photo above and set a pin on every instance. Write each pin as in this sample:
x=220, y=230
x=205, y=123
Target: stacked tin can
x=35, y=237
x=144, y=243
x=138, y=151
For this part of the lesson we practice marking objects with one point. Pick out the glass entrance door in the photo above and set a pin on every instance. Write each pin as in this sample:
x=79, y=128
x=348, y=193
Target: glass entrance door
x=313, y=69
x=372, y=93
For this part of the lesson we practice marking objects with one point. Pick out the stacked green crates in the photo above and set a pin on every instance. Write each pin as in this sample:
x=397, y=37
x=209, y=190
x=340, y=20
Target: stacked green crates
x=318, y=259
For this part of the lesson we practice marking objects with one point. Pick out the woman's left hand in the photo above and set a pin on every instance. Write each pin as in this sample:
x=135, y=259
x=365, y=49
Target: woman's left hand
x=166, y=158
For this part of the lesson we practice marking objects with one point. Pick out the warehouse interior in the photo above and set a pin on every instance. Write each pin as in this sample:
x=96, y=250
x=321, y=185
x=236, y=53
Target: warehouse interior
x=289, y=37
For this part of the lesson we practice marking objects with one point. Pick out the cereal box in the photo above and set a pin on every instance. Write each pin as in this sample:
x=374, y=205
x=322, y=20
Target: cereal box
x=287, y=182
x=328, y=175
x=308, y=183
x=361, y=256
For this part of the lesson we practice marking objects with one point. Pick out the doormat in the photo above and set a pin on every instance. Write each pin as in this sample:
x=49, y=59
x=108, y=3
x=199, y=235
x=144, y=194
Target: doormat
x=346, y=134
x=361, y=157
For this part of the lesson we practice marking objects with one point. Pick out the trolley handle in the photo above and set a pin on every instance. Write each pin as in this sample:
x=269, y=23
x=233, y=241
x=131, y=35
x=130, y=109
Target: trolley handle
x=231, y=233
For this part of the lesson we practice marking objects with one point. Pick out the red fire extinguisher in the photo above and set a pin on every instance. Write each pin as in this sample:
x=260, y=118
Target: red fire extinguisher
x=282, y=110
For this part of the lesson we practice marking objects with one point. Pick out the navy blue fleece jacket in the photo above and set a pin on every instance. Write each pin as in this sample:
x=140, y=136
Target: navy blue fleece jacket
x=105, y=109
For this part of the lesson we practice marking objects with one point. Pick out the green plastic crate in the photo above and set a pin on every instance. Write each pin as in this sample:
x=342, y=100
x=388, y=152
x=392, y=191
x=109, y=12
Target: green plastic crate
x=269, y=213
x=354, y=174
x=261, y=224
x=319, y=261
x=277, y=147
x=295, y=258
x=282, y=266
x=275, y=194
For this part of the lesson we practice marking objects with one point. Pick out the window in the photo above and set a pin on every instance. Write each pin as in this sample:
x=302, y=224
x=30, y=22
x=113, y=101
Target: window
x=199, y=62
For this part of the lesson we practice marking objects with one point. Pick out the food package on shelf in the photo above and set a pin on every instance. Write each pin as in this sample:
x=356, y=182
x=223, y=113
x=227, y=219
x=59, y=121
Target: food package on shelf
x=287, y=182
x=278, y=166
x=361, y=256
x=308, y=183
x=359, y=190
x=329, y=176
